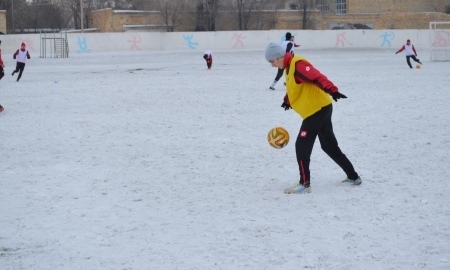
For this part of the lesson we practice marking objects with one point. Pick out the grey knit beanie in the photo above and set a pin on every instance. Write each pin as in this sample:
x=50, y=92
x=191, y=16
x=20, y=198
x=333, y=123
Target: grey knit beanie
x=274, y=51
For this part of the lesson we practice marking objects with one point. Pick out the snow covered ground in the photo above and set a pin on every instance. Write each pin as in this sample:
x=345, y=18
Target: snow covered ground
x=146, y=160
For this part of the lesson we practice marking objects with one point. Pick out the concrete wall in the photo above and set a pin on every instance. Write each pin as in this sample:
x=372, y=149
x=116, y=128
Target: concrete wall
x=85, y=43
x=3, y=21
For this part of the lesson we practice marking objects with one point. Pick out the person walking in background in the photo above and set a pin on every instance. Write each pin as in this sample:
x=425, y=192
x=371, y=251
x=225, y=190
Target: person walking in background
x=288, y=45
x=308, y=93
x=207, y=55
x=410, y=52
x=2, y=65
x=21, y=55
x=295, y=44
x=2, y=71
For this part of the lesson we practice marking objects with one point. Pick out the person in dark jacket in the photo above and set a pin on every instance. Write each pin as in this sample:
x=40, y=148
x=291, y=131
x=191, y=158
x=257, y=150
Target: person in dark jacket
x=2, y=65
x=2, y=71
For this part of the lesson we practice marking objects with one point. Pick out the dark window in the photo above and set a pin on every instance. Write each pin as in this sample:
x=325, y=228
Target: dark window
x=340, y=6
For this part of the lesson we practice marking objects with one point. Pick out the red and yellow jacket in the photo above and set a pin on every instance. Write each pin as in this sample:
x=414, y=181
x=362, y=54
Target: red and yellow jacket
x=308, y=90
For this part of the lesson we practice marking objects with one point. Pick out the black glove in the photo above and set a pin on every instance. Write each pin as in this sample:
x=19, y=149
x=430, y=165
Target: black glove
x=286, y=104
x=337, y=95
x=396, y=52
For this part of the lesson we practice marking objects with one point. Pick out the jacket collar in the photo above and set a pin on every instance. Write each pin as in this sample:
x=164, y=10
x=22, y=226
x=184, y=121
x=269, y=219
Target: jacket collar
x=287, y=60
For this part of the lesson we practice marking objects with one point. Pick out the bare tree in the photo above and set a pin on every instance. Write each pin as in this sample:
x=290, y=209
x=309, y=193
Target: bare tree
x=116, y=4
x=258, y=14
x=140, y=4
x=169, y=11
x=212, y=8
x=45, y=16
x=72, y=9
x=304, y=7
x=249, y=13
x=75, y=9
x=272, y=18
x=88, y=7
x=7, y=5
x=19, y=20
x=245, y=8
x=206, y=15
x=199, y=17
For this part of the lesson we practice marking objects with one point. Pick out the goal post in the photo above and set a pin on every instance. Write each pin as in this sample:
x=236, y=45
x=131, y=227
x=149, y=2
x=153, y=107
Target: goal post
x=439, y=41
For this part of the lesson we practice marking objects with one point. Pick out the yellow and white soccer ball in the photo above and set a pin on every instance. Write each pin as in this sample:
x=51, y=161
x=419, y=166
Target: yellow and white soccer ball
x=278, y=137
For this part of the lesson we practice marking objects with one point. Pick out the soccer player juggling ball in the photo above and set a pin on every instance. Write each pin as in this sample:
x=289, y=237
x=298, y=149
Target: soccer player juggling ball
x=309, y=94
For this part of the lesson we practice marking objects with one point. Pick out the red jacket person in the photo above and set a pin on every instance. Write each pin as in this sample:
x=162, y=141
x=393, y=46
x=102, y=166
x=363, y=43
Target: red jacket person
x=207, y=55
x=310, y=94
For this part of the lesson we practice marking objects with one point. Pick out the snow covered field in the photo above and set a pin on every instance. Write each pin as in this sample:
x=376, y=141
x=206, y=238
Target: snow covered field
x=146, y=160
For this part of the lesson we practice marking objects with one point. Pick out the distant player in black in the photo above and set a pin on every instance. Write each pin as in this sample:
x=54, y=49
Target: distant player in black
x=2, y=72
x=288, y=45
x=2, y=65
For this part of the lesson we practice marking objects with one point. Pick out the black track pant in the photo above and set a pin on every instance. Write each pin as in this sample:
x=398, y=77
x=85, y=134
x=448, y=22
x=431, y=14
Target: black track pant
x=279, y=74
x=413, y=58
x=319, y=124
x=19, y=68
x=2, y=72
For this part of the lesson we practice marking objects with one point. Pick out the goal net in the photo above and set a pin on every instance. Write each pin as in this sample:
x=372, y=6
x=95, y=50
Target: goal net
x=439, y=41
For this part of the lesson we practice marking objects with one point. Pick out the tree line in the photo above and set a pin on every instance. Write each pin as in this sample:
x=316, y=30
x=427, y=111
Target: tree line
x=34, y=16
